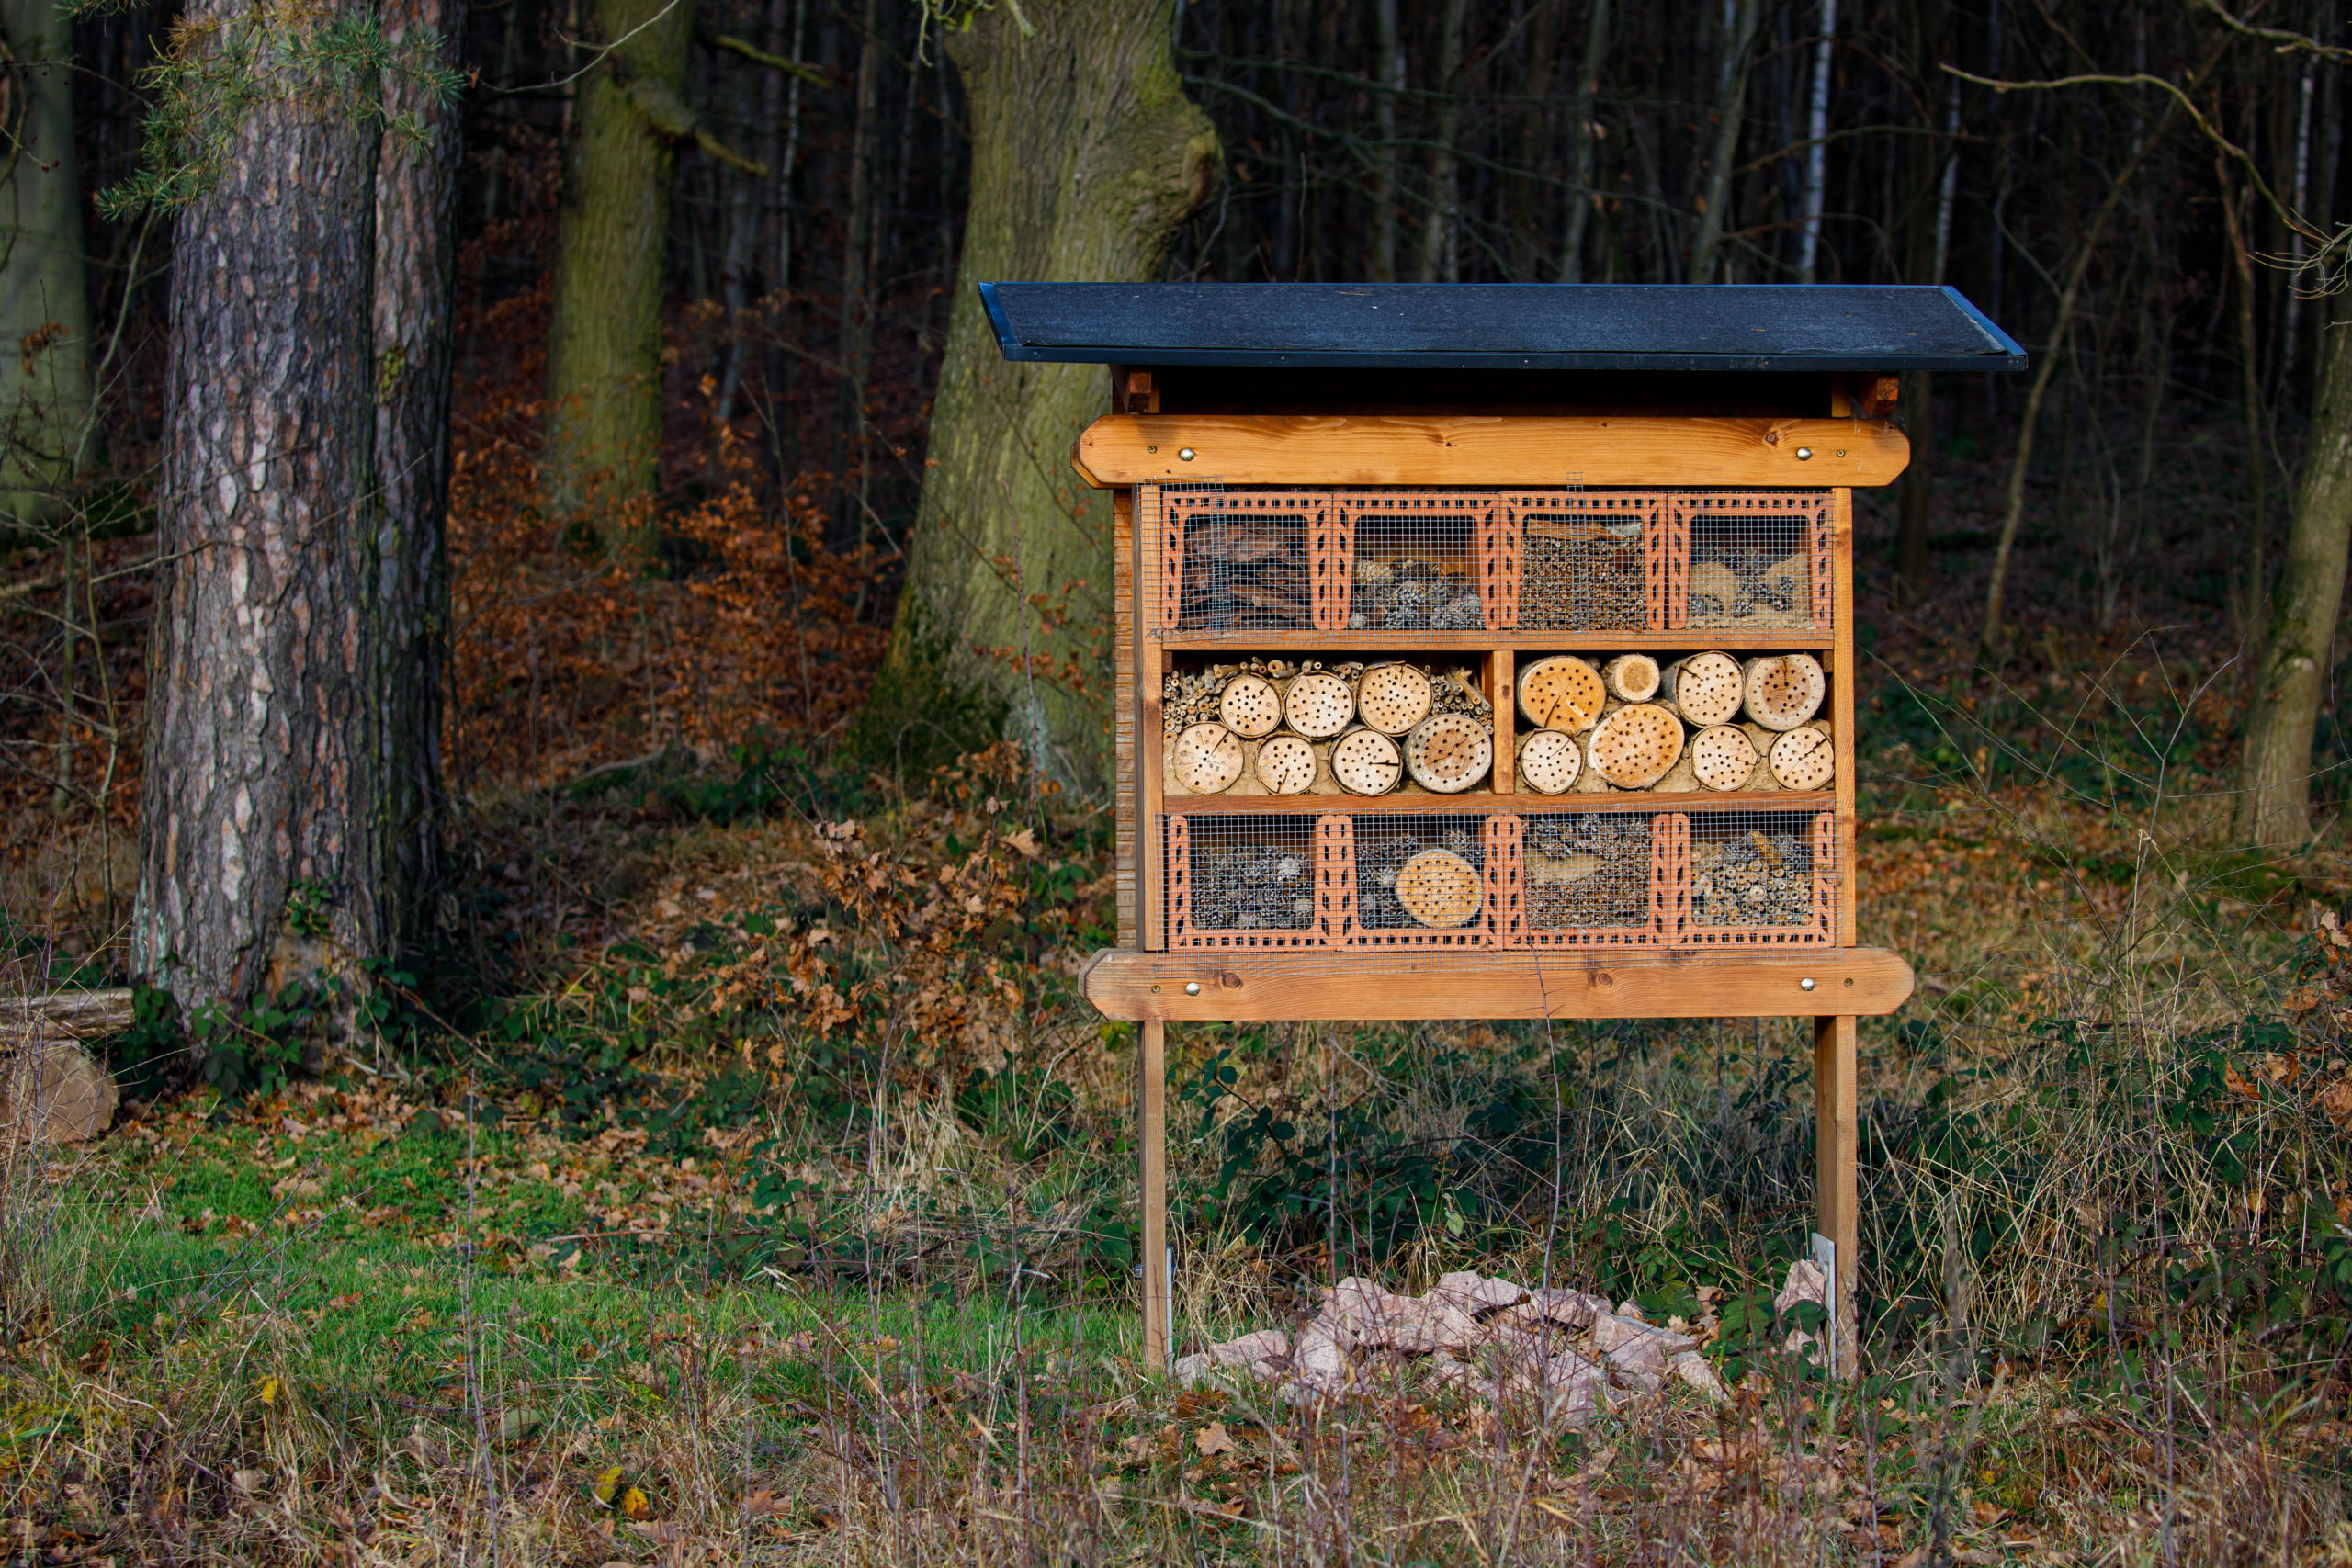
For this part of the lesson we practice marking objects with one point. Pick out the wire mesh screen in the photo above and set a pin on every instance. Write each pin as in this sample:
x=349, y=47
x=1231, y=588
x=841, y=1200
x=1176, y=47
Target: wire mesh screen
x=1760, y=879
x=1413, y=561
x=1240, y=560
x=1598, y=878
x=1415, y=881
x=1750, y=561
x=1587, y=560
x=1243, y=883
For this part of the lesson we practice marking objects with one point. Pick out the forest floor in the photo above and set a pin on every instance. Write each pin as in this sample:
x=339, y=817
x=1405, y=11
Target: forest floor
x=759, y=1188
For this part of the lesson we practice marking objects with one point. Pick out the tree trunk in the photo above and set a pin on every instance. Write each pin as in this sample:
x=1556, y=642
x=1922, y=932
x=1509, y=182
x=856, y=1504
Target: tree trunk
x=414, y=298
x=264, y=852
x=1816, y=151
x=1583, y=199
x=1738, y=34
x=1384, y=194
x=45, y=415
x=1440, y=252
x=847, y=526
x=1086, y=159
x=604, y=329
x=2298, y=650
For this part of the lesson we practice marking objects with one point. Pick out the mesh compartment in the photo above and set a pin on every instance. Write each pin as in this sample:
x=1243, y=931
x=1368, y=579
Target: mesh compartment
x=1760, y=879
x=1240, y=560
x=1587, y=561
x=1410, y=560
x=1384, y=866
x=1598, y=878
x=1750, y=561
x=1244, y=884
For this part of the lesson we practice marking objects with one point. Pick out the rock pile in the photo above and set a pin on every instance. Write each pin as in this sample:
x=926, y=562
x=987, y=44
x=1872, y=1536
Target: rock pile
x=1488, y=1338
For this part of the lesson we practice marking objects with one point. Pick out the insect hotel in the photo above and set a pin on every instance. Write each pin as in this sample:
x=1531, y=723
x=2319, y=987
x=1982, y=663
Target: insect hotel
x=1488, y=652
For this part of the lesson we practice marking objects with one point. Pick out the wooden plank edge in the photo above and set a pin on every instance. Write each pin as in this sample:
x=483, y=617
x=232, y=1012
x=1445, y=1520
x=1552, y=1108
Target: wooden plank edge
x=1233, y=987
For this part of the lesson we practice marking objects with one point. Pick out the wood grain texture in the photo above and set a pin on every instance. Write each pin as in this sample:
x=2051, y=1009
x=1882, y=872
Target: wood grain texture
x=1486, y=801
x=1474, y=450
x=1835, y=1168
x=1151, y=1138
x=1411, y=645
x=1126, y=803
x=1238, y=988
x=1841, y=703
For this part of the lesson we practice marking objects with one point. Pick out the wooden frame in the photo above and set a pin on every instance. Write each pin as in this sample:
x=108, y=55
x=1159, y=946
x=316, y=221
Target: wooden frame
x=1834, y=981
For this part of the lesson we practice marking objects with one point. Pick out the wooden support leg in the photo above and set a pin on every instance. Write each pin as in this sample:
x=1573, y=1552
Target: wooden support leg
x=1833, y=1134
x=1152, y=1135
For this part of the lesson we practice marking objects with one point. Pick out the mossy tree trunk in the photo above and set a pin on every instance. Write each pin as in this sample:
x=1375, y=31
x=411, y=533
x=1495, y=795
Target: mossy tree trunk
x=2298, y=650
x=264, y=851
x=1086, y=158
x=604, y=429
x=44, y=310
x=415, y=284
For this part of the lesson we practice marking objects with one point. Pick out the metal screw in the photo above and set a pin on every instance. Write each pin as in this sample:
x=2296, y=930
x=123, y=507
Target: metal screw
x=1185, y=453
x=1193, y=988
x=1805, y=984
x=1803, y=452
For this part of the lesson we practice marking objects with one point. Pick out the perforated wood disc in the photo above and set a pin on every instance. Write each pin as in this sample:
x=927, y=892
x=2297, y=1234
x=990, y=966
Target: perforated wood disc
x=1439, y=888
x=1722, y=757
x=1708, y=689
x=1550, y=761
x=1785, y=690
x=1631, y=677
x=1366, y=762
x=1208, y=759
x=1286, y=765
x=1634, y=745
x=1250, y=706
x=1318, y=705
x=1803, y=759
x=1448, y=752
x=1562, y=692
x=1392, y=698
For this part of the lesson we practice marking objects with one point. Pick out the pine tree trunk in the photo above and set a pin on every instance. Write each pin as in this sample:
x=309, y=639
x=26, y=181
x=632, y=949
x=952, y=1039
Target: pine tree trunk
x=415, y=284
x=262, y=855
x=44, y=310
x=603, y=438
x=1086, y=158
x=2298, y=650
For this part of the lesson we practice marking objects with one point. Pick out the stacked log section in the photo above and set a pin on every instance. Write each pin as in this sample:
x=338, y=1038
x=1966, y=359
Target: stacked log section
x=1634, y=745
x=1319, y=705
x=1803, y=758
x=1721, y=758
x=1366, y=762
x=1439, y=888
x=1562, y=692
x=1207, y=759
x=1393, y=698
x=1631, y=678
x=1550, y=761
x=1448, y=752
x=1286, y=765
x=1246, y=574
x=1783, y=691
x=1250, y=706
x=1705, y=688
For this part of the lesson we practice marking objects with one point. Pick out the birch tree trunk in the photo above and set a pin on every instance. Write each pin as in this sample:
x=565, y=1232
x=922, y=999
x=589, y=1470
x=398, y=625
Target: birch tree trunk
x=2298, y=649
x=264, y=853
x=44, y=310
x=605, y=326
x=414, y=300
x=1086, y=158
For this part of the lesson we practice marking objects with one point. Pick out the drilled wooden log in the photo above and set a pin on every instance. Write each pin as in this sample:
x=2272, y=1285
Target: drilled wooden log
x=1803, y=758
x=1208, y=759
x=1250, y=706
x=1561, y=693
x=66, y=1015
x=54, y=1092
x=1631, y=677
x=1439, y=888
x=1705, y=688
x=1784, y=690
x=1549, y=761
x=1366, y=762
x=1318, y=705
x=1286, y=765
x=1633, y=746
x=1448, y=752
x=1392, y=698
x=1722, y=757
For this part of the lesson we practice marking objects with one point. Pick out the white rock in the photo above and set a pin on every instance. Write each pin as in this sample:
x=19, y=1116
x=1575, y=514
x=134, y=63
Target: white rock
x=1476, y=1295
x=1807, y=1281
x=1693, y=1369
x=1630, y=1342
x=1266, y=1345
x=1382, y=1320
x=1570, y=1309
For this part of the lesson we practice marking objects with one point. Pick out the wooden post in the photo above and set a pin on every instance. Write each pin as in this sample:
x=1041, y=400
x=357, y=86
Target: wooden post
x=1151, y=1102
x=1833, y=1155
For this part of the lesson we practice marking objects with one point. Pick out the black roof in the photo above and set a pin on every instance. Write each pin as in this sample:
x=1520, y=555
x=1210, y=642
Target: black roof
x=1501, y=326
